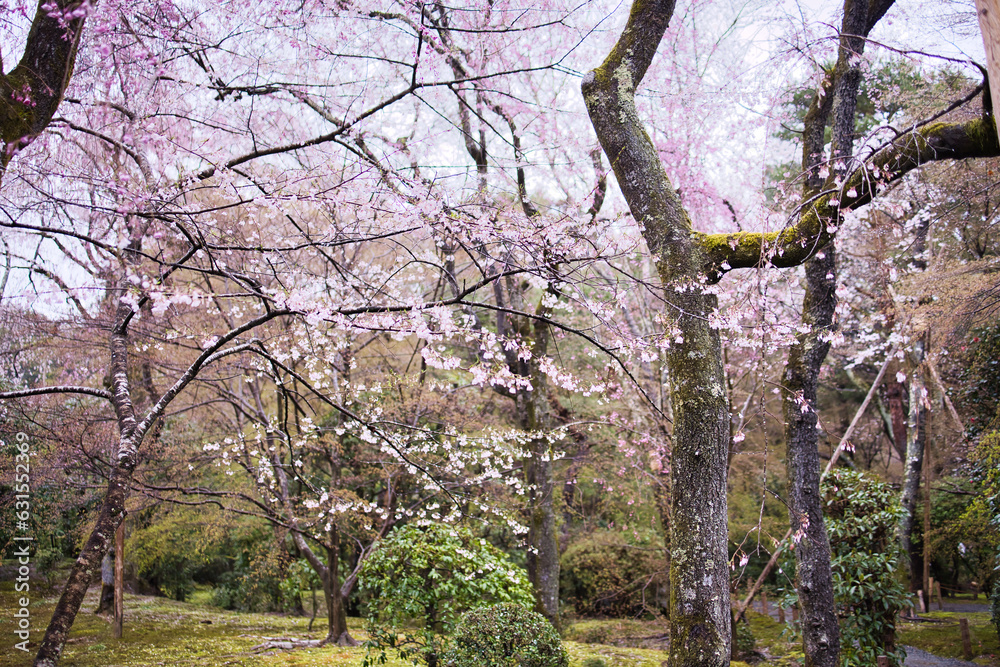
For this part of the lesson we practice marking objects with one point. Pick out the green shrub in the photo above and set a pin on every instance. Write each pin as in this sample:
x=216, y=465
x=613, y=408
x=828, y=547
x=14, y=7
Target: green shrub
x=601, y=575
x=505, y=635
x=746, y=643
x=420, y=579
x=862, y=515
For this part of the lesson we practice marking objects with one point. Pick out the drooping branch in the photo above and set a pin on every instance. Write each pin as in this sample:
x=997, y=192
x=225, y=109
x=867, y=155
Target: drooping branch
x=818, y=220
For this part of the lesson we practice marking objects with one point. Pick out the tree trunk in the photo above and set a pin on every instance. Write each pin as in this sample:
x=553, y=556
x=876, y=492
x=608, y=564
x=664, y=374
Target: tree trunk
x=87, y=564
x=820, y=630
x=700, y=628
x=543, y=553
x=894, y=395
x=913, y=468
x=543, y=557
x=336, y=616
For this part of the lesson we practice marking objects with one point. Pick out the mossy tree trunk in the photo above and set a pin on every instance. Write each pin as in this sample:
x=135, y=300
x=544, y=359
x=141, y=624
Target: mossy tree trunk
x=699, y=572
x=30, y=93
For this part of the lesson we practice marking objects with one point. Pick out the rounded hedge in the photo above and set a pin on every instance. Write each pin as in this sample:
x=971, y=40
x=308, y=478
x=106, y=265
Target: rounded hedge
x=505, y=635
x=602, y=575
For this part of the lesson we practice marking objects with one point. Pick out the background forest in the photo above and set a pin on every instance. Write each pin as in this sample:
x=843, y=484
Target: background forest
x=285, y=282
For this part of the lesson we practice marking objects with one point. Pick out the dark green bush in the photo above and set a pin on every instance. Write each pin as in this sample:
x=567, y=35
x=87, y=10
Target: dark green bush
x=602, y=575
x=862, y=515
x=505, y=635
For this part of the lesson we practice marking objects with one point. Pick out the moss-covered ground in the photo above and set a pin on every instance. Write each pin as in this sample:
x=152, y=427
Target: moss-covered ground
x=164, y=632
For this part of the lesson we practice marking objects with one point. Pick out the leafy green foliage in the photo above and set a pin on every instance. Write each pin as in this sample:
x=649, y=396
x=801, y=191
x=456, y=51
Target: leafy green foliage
x=862, y=515
x=505, y=635
x=979, y=378
x=746, y=643
x=601, y=575
x=986, y=505
x=421, y=578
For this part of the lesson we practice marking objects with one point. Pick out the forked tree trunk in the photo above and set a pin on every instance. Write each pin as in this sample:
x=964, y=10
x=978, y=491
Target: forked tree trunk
x=336, y=615
x=700, y=628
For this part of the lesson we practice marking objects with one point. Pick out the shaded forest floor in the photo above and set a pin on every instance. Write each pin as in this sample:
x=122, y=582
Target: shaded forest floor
x=159, y=631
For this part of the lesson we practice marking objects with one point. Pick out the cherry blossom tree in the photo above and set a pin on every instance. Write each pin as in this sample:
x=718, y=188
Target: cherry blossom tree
x=259, y=191
x=687, y=260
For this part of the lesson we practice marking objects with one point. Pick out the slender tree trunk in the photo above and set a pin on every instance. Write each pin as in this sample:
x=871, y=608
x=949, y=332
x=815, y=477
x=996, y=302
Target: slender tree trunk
x=914, y=467
x=336, y=616
x=820, y=630
x=543, y=557
x=894, y=395
x=87, y=565
x=543, y=554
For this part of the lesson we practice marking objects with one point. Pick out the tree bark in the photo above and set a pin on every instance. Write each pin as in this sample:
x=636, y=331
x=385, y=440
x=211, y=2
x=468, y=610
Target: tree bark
x=989, y=25
x=820, y=629
x=30, y=94
x=543, y=542
x=700, y=628
x=913, y=467
x=86, y=565
x=336, y=616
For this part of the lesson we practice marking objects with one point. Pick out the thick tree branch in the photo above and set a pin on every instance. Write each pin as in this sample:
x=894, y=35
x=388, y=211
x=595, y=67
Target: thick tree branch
x=31, y=93
x=818, y=221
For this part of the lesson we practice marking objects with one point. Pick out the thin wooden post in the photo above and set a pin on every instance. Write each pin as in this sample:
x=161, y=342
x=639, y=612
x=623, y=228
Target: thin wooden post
x=930, y=589
x=795, y=615
x=963, y=626
x=781, y=615
x=763, y=603
x=937, y=591
x=119, y=580
x=989, y=25
x=922, y=605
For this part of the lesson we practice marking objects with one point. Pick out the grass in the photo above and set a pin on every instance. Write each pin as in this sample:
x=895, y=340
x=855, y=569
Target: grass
x=941, y=636
x=164, y=632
